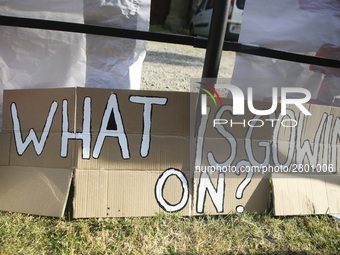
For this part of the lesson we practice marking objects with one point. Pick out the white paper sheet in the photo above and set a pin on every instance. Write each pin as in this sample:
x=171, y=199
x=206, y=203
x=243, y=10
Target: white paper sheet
x=33, y=58
x=300, y=26
x=115, y=62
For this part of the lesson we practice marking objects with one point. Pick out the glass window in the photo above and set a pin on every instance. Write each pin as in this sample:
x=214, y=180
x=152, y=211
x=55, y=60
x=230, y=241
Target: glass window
x=240, y=4
x=201, y=6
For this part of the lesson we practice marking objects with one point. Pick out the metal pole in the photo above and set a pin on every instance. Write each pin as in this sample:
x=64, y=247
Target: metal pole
x=198, y=42
x=218, y=27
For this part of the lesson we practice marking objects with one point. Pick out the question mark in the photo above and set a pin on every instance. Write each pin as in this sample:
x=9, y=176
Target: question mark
x=242, y=186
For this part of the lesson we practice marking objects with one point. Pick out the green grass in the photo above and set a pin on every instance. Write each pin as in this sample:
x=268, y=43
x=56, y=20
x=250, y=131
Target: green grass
x=169, y=234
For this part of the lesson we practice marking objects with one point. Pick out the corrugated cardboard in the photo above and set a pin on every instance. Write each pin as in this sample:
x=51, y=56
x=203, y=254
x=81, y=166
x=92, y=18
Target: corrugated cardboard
x=313, y=184
x=129, y=154
x=296, y=145
x=231, y=146
x=5, y=142
x=108, y=181
x=306, y=195
x=121, y=193
x=33, y=106
x=34, y=190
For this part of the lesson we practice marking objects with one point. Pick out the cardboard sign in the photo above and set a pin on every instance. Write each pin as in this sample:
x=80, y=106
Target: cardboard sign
x=299, y=152
x=306, y=195
x=128, y=153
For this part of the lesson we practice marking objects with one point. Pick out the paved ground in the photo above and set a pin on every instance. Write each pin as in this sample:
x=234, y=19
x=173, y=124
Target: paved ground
x=170, y=66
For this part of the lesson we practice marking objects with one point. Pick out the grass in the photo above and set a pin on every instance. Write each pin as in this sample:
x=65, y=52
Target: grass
x=169, y=234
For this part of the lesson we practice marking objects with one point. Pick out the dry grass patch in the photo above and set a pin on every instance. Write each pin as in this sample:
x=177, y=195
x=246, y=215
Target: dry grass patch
x=170, y=234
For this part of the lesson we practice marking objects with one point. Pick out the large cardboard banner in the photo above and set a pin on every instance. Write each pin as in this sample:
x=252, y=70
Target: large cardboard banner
x=133, y=153
x=293, y=143
x=129, y=152
x=299, y=26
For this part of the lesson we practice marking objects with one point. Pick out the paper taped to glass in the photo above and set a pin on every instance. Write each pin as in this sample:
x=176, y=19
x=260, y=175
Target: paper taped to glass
x=34, y=58
x=300, y=26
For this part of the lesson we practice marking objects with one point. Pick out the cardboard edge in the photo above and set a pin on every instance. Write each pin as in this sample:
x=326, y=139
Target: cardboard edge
x=32, y=190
